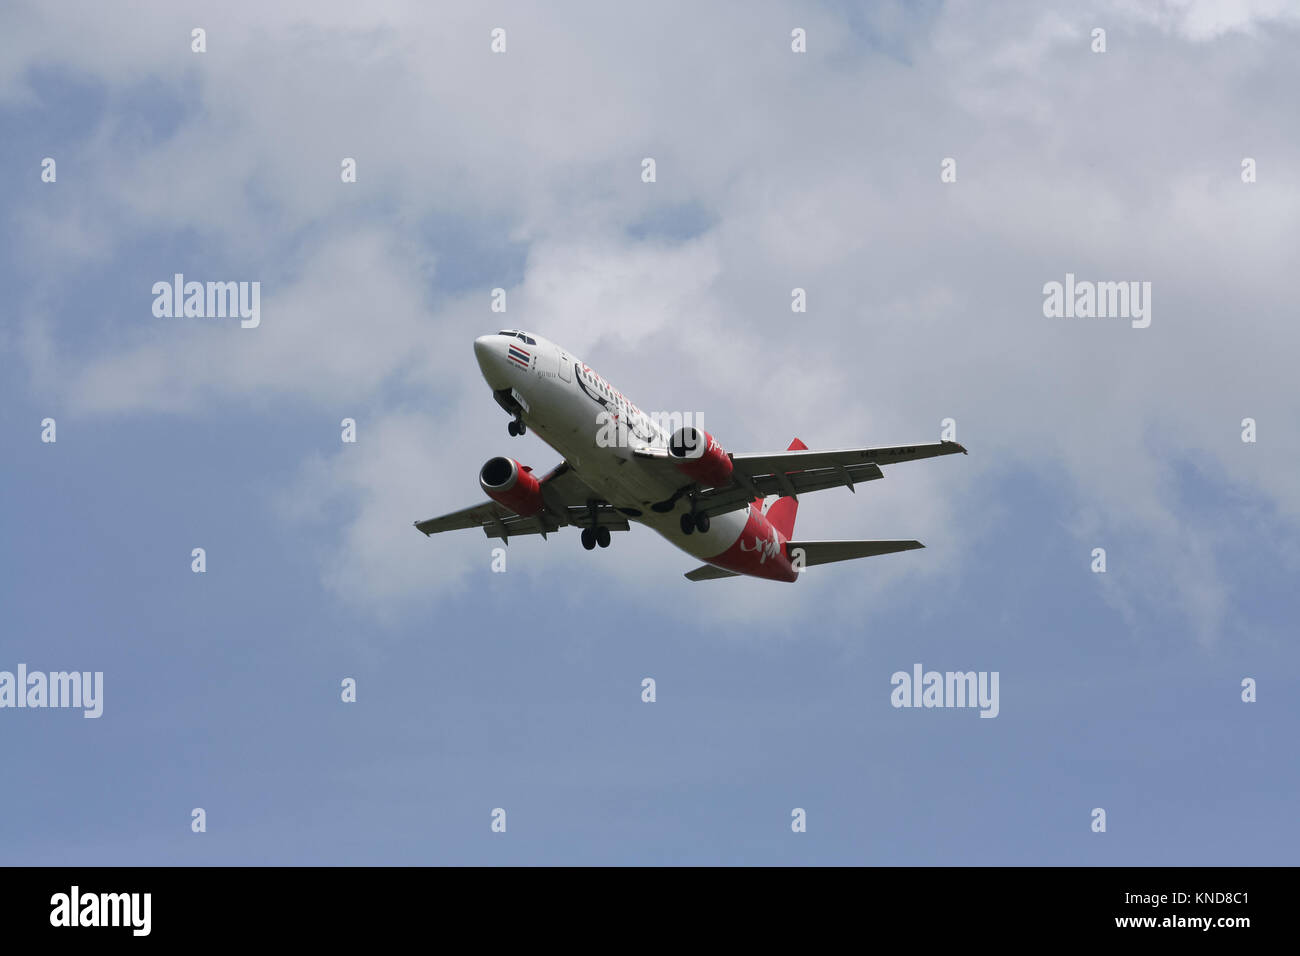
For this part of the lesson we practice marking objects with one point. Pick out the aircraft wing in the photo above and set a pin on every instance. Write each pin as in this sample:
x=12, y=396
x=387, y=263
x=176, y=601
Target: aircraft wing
x=568, y=502
x=798, y=472
x=789, y=461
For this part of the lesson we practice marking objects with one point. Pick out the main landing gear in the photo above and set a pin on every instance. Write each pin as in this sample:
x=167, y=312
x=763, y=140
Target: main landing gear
x=695, y=521
x=517, y=427
x=595, y=536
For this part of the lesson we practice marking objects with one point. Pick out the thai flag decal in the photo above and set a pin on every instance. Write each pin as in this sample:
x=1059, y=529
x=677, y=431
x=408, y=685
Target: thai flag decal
x=519, y=356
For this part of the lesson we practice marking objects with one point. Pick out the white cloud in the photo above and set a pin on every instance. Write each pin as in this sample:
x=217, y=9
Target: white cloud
x=1203, y=20
x=818, y=171
x=352, y=315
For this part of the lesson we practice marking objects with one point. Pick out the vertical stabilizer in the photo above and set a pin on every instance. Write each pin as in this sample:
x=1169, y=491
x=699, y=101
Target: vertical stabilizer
x=783, y=510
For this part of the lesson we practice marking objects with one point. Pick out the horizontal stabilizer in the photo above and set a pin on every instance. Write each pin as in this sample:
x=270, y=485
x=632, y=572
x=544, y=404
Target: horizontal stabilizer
x=826, y=552
x=708, y=572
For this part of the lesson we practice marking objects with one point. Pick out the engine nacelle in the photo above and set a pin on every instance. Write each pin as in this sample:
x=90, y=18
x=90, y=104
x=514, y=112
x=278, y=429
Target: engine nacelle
x=699, y=457
x=509, y=483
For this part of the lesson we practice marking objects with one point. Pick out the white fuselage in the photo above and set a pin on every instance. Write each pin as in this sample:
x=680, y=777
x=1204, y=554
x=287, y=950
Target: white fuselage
x=596, y=428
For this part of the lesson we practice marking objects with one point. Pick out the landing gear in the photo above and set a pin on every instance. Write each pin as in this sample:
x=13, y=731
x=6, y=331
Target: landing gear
x=517, y=427
x=602, y=536
x=589, y=537
x=694, y=521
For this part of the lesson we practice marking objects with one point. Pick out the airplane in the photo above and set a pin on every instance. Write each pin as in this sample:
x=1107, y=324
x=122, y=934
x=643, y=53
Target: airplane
x=734, y=512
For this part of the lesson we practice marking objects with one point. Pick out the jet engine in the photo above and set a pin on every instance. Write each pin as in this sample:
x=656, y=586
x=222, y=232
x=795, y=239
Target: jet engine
x=699, y=457
x=509, y=483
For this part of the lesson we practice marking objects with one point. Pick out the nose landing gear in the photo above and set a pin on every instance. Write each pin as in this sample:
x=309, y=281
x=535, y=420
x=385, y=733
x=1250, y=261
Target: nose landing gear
x=517, y=427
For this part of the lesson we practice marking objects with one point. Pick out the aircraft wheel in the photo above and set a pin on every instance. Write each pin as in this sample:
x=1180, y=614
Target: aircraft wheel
x=688, y=523
x=602, y=536
x=701, y=523
x=588, y=538
x=520, y=427
x=513, y=428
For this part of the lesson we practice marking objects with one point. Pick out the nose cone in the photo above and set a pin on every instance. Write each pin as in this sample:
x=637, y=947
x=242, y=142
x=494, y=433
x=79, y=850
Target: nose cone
x=490, y=350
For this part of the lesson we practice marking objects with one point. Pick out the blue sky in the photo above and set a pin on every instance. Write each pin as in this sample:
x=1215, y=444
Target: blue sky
x=522, y=690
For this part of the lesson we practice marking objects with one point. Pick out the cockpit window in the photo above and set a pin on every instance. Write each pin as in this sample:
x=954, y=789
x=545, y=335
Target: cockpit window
x=519, y=335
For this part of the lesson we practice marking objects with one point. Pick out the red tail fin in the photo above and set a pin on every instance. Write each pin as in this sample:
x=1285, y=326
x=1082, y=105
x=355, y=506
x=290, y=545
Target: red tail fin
x=783, y=510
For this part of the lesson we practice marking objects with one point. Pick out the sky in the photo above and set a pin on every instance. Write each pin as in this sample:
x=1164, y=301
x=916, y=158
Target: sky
x=775, y=170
